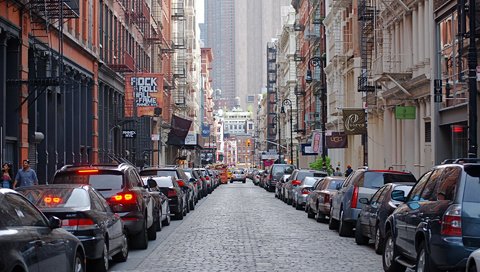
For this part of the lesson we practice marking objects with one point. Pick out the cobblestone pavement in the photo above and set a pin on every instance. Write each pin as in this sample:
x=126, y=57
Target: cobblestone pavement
x=241, y=227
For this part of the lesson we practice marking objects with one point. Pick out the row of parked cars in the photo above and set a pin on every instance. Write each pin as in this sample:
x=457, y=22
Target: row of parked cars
x=429, y=224
x=89, y=215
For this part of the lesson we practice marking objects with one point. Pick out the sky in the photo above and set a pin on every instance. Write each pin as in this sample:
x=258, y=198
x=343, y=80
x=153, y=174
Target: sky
x=200, y=12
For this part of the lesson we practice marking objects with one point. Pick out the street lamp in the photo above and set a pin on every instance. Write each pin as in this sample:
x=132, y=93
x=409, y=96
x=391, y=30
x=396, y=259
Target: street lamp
x=288, y=102
x=275, y=123
x=319, y=62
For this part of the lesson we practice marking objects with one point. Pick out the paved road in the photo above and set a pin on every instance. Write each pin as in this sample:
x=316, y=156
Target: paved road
x=241, y=227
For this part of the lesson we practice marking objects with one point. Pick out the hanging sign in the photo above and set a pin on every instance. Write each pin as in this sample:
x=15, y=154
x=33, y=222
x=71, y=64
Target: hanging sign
x=337, y=140
x=354, y=121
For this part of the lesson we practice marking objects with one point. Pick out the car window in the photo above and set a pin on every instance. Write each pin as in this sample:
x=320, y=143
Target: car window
x=159, y=173
x=354, y=176
x=417, y=189
x=446, y=185
x=378, y=179
x=472, y=184
x=383, y=193
x=164, y=182
x=334, y=183
x=309, y=181
x=431, y=183
x=101, y=200
x=405, y=188
x=20, y=212
x=376, y=196
x=45, y=197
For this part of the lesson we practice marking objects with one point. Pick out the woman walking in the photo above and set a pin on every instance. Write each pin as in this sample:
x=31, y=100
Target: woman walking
x=6, y=176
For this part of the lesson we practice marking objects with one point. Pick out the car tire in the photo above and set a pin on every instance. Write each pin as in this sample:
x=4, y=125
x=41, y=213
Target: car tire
x=158, y=223
x=244, y=181
x=168, y=218
x=332, y=223
x=101, y=264
x=152, y=231
x=122, y=256
x=140, y=240
x=390, y=254
x=310, y=214
x=78, y=262
x=360, y=239
x=298, y=206
x=344, y=228
x=379, y=241
x=192, y=205
x=424, y=262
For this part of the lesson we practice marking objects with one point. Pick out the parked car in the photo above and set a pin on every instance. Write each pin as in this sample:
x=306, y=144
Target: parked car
x=196, y=186
x=302, y=190
x=279, y=186
x=87, y=215
x=298, y=175
x=472, y=262
x=362, y=183
x=199, y=182
x=161, y=207
x=274, y=174
x=437, y=226
x=23, y=228
x=319, y=199
x=177, y=198
x=178, y=174
x=239, y=175
x=374, y=214
x=123, y=189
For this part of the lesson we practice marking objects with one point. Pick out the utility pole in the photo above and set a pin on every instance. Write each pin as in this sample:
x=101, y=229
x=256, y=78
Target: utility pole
x=472, y=83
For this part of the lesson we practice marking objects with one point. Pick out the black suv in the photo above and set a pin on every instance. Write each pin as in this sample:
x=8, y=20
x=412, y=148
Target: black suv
x=438, y=224
x=275, y=173
x=122, y=187
x=176, y=173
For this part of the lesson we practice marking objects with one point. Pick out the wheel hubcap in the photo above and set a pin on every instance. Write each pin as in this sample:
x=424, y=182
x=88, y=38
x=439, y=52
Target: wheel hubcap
x=105, y=256
x=125, y=247
x=421, y=262
x=78, y=264
x=389, y=252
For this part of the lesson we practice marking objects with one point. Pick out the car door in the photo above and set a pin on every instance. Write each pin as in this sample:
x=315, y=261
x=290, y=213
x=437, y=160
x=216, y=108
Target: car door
x=113, y=224
x=50, y=245
x=137, y=184
x=401, y=212
x=338, y=199
x=371, y=211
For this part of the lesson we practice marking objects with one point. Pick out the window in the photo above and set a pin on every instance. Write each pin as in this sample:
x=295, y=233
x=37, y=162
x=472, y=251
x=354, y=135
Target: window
x=430, y=186
x=375, y=198
x=16, y=211
x=446, y=186
x=428, y=132
x=417, y=190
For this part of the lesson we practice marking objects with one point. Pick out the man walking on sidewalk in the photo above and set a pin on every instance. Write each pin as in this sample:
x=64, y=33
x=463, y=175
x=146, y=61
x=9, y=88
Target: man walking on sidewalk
x=25, y=176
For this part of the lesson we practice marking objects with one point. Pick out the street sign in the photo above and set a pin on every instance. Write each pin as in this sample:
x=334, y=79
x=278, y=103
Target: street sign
x=155, y=137
x=129, y=134
x=405, y=112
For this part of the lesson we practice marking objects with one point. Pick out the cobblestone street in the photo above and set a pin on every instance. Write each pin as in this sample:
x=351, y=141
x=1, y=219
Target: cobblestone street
x=240, y=227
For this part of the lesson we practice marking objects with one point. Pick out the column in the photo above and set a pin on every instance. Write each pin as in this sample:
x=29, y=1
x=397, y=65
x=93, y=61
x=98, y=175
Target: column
x=407, y=41
x=427, y=32
x=421, y=33
x=396, y=40
x=415, y=36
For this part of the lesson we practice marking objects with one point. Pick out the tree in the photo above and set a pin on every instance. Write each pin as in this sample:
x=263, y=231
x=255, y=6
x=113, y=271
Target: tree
x=319, y=165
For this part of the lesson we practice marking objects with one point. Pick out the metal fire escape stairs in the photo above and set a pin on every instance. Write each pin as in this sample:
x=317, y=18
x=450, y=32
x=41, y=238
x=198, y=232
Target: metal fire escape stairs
x=366, y=15
x=299, y=88
x=179, y=56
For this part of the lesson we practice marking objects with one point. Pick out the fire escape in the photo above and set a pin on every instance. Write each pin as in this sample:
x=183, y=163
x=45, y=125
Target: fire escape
x=272, y=120
x=366, y=15
x=179, y=60
x=300, y=87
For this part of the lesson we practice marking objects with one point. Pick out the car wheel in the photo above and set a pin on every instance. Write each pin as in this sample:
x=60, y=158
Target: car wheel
x=152, y=231
x=78, y=262
x=344, y=229
x=192, y=205
x=122, y=256
x=244, y=181
x=390, y=254
x=310, y=214
x=140, y=240
x=360, y=239
x=424, y=262
x=158, y=223
x=379, y=242
x=168, y=218
x=298, y=206
x=332, y=223
x=101, y=264
x=179, y=215
x=472, y=267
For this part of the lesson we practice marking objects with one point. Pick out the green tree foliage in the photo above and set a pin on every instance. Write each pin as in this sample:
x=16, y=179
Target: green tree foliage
x=319, y=165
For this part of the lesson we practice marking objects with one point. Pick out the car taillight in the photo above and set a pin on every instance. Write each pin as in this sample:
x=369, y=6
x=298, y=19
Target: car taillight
x=354, y=197
x=171, y=193
x=207, y=178
x=305, y=191
x=326, y=199
x=125, y=197
x=78, y=224
x=452, y=221
x=270, y=177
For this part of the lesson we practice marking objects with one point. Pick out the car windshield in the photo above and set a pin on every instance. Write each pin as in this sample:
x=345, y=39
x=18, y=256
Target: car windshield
x=101, y=181
x=238, y=172
x=279, y=169
x=77, y=198
x=334, y=183
x=378, y=179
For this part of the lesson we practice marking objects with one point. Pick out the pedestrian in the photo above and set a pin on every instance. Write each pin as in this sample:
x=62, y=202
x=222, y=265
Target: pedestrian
x=348, y=171
x=6, y=176
x=337, y=172
x=26, y=176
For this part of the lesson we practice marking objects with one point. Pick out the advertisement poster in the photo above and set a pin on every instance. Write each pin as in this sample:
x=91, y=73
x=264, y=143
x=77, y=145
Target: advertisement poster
x=147, y=88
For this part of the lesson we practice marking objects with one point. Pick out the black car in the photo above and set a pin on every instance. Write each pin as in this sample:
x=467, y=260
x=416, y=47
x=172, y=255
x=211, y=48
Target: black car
x=177, y=198
x=123, y=189
x=274, y=174
x=85, y=214
x=161, y=207
x=179, y=175
x=374, y=214
x=194, y=176
x=31, y=242
x=438, y=224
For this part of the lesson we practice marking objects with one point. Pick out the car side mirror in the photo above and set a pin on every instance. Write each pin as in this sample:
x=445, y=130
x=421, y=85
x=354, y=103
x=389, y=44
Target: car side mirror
x=151, y=183
x=54, y=222
x=364, y=201
x=398, y=195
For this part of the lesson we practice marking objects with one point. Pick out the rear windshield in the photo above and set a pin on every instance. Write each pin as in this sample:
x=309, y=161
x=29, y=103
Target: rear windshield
x=334, y=182
x=100, y=181
x=405, y=188
x=159, y=173
x=472, y=185
x=238, y=172
x=378, y=179
x=279, y=169
x=164, y=182
x=309, y=181
x=57, y=197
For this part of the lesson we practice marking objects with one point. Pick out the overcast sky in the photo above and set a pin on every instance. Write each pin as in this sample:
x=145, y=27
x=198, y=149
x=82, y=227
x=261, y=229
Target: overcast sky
x=200, y=13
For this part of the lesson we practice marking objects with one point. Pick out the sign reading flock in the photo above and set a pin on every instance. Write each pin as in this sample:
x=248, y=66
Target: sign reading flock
x=148, y=93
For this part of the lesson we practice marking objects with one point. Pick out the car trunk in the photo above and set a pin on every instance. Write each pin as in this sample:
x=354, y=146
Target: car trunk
x=471, y=208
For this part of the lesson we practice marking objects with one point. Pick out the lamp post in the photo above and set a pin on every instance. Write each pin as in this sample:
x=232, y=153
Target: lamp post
x=288, y=102
x=319, y=62
x=275, y=123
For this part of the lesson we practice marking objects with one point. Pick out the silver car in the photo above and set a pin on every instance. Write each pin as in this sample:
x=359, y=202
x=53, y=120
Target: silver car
x=239, y=175
x=301, y=191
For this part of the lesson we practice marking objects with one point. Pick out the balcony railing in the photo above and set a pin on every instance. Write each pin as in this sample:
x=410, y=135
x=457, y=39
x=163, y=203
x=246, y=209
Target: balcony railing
x=126, y=63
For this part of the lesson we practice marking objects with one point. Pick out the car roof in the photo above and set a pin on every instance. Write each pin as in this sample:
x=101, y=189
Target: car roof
x=57, y=186
x=73, y=167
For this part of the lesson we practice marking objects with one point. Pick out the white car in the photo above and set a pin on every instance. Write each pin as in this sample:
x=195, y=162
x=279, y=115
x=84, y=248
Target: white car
x=472, y=262
x=239, y=175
